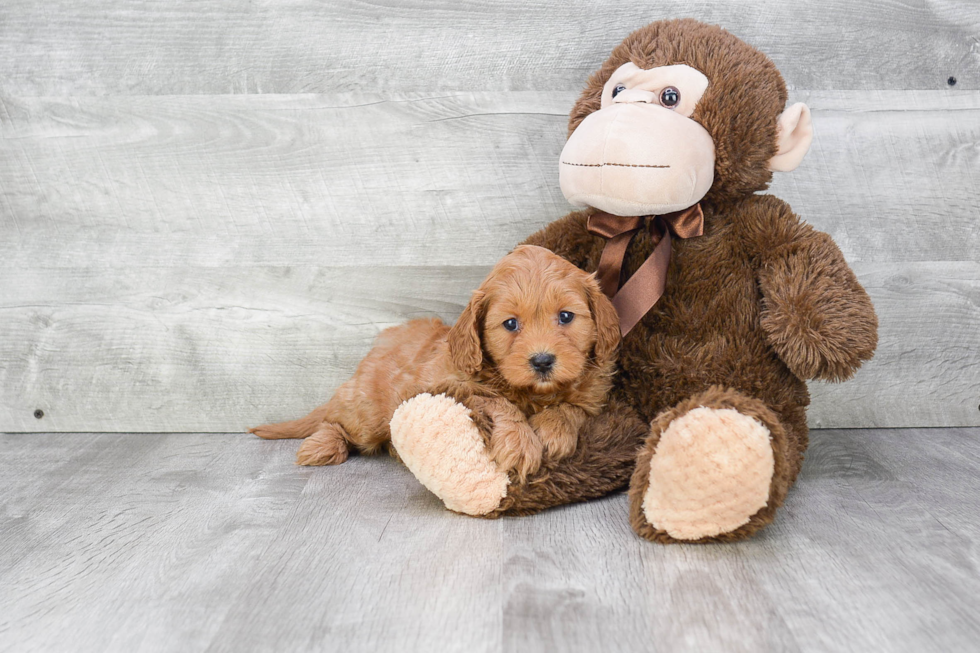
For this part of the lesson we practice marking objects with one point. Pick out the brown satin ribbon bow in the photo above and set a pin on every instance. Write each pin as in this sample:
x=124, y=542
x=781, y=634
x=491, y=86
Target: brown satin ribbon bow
x=646, y=286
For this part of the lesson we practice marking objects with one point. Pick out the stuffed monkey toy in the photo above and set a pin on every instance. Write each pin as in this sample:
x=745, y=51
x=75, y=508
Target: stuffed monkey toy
x=728, y=302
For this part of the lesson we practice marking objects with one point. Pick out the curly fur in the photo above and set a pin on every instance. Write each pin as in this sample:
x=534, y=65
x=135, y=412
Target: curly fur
x=485, y=366
x=753, y=308
x=757, y=305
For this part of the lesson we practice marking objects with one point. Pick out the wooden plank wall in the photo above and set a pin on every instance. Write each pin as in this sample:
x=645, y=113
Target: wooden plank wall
x=208, y=209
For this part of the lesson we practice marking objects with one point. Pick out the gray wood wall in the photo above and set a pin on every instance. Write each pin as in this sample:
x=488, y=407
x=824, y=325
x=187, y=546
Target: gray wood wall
x=208, y=209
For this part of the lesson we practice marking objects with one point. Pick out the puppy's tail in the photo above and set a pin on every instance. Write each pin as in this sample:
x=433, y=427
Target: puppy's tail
x=303, y=427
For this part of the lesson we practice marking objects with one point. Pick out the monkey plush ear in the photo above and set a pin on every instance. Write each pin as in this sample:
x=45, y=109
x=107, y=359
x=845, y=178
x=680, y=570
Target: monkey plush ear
x=793, y=137
x=465, y=349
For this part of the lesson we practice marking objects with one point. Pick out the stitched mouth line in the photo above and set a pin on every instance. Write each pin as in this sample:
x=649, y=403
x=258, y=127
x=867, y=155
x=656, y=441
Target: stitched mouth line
x=618, y=165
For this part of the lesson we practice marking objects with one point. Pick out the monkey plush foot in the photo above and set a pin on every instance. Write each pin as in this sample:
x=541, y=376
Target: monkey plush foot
x=712, y=469
x=439, y=443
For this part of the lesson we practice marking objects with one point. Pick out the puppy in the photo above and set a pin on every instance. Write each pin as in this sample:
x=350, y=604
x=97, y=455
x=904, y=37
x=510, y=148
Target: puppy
x=531, y=356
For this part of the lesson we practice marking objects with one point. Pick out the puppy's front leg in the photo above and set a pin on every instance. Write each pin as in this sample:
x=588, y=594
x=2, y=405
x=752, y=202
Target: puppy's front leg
x=513, y=443
x=557, y=428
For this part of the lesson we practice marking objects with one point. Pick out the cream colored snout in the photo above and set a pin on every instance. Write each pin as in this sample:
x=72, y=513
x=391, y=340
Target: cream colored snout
x=635, y=157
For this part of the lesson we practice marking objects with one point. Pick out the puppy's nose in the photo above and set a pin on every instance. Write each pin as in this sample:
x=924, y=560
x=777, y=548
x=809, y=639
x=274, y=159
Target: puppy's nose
x=542, y=363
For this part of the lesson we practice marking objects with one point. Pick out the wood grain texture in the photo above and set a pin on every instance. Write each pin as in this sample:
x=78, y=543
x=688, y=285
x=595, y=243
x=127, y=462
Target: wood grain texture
x=174, y=349
x=422, y=179
x=338, y=180
x=186, y=263
x=121, y=47
x=926, y=370
x=188, y=542
x=217, y=348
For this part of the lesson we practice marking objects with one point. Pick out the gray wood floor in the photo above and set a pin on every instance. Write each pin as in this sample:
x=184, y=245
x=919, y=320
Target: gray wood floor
x=190, y=542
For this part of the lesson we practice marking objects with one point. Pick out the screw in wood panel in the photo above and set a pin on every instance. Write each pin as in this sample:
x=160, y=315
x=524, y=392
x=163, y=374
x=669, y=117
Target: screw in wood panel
x=951, y=81
x=38, y=413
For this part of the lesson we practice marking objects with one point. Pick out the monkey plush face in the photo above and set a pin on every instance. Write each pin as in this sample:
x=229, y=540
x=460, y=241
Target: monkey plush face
x=641, y=153
x=680, y=112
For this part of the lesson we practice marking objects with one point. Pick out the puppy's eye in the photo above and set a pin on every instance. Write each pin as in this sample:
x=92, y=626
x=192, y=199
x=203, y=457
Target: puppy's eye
x=511, y=324
x=619, y=88
x=565, y=317
x=670, y=97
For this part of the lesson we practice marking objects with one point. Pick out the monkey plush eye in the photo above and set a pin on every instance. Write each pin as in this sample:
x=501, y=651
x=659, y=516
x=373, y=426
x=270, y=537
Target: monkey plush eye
x=564, y=317
x=619, y=89
x=511, y=324
x=670, y=97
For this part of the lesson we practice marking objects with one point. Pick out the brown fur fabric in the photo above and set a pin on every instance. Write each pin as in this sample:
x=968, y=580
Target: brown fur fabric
x=532, y=304
x=757, y=305
x=603, y=463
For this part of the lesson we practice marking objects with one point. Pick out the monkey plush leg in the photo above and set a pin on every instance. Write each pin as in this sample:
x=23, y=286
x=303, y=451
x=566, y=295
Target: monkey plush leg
x=602, y=462
x=714, y=468
x=439, y=443
x=437, y=440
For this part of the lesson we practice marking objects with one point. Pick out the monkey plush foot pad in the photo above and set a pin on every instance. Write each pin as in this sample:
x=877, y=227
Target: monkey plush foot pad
x=438, y=442
x=710, y=473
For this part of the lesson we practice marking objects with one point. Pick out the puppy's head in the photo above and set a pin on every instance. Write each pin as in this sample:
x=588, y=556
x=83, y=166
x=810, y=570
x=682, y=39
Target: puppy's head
x=538, y=319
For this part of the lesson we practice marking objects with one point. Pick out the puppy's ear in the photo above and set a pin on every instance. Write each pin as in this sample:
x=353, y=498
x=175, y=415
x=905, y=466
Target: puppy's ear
x=465, y=349
x=606, y=323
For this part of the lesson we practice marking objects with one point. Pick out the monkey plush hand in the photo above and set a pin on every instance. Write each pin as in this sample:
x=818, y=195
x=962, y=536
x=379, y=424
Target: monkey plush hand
x=728, y=301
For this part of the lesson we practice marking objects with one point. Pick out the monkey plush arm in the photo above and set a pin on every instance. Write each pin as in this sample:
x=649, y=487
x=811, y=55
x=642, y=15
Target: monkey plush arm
x=510, y=439
x=817, y=316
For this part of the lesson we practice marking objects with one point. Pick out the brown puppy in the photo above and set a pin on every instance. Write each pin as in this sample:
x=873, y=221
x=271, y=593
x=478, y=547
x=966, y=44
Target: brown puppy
x=532, y=355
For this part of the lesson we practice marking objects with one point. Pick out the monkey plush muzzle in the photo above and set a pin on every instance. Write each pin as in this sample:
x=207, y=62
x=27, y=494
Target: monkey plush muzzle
x=637, y=158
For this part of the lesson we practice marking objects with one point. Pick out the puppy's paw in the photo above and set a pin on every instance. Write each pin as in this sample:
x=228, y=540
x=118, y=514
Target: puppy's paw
x=325, y=447
x=558, y=435
x=514, y=446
